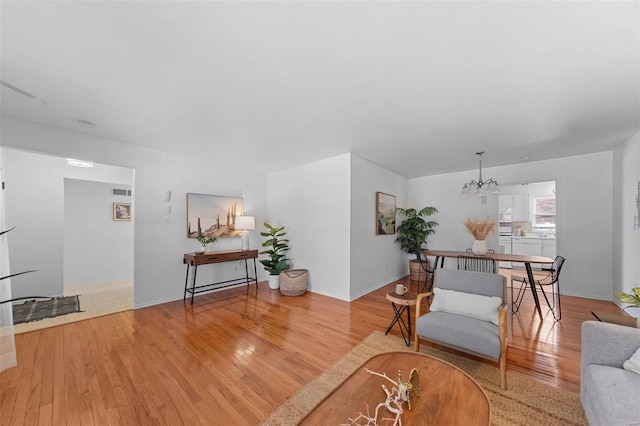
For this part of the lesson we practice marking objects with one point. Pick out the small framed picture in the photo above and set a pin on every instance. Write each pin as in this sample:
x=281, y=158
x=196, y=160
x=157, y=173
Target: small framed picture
x=385, y=214
x=121, y=211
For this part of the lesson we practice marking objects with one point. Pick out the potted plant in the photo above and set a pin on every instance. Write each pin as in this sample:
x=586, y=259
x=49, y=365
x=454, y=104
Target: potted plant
x=633, y=301
x=204, y=242
x=412, y=237
x=277, y=262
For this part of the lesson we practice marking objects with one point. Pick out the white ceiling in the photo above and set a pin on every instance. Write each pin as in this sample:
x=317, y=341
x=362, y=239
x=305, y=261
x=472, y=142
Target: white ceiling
x=416, y=87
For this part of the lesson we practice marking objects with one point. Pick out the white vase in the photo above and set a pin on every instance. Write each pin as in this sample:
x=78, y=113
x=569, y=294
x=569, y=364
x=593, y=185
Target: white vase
x=202, y=249
x=274, y=282
x=479, y=247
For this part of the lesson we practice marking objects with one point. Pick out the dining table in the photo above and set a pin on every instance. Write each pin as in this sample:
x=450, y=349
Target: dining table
x=440, y=255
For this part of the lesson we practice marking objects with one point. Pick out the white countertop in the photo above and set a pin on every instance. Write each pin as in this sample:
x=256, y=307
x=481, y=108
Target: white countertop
x=534, y=238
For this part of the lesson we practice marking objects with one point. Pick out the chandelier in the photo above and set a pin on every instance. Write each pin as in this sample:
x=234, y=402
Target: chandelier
x=480, y=187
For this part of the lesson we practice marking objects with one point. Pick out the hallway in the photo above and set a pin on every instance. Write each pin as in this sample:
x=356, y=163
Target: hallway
x=95, y=300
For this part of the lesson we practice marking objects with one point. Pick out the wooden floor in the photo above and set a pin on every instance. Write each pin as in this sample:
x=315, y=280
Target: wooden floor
x=231, y=358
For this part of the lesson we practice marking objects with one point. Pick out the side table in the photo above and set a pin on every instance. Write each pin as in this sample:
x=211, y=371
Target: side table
x=402, y=303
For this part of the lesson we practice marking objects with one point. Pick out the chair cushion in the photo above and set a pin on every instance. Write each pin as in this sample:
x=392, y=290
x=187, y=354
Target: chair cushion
x=468, y=304
x=468, y=333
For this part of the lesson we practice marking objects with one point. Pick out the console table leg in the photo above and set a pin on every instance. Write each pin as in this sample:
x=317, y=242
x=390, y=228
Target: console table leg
x=255, y=273
x=246, y=273
x=186, y=283
x=193, y=285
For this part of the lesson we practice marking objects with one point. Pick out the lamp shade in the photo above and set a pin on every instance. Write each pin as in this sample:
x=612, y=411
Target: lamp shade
x=245, y=222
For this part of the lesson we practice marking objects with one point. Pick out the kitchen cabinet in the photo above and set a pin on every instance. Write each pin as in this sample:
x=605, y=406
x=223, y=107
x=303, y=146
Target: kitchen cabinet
x=504, y=208
x=514, y=208
x=532, y=246
x=528, y=247
x=549, y=248
x=504, y=246
x=520, y=208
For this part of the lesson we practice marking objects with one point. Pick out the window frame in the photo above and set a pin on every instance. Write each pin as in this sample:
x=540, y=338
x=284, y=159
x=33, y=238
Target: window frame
x=534, y=215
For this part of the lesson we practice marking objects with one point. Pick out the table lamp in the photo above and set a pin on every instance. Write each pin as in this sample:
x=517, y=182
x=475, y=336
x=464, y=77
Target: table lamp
x=244, y=224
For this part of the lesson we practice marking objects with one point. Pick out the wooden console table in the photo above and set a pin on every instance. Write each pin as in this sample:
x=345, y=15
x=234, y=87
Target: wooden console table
x=194, y=260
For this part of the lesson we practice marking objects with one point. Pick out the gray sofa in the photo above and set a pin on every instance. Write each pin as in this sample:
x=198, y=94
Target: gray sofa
x=610, y=394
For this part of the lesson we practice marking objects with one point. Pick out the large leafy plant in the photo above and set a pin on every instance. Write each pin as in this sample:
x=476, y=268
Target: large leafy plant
x=15, y=275
x=414, y=230
x=277, y=261
x=632, y=299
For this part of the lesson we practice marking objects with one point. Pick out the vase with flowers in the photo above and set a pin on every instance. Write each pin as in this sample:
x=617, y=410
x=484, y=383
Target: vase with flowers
x=480, y=229
x=204, y=242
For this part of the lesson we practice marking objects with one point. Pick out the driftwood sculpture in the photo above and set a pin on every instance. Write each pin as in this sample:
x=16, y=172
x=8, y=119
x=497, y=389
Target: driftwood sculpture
x=399, y=393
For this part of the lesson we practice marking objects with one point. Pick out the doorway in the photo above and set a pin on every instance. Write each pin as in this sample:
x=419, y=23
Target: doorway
x=36, y=206
x=528, y=212
x=98, y=245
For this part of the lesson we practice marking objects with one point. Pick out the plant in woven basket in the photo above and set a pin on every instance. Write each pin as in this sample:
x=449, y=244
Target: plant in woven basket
x=414, y=231
x=277, y=262
x=480, y=228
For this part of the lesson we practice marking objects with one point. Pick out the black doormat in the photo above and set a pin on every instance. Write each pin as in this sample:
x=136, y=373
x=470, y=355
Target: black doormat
x=35, y=310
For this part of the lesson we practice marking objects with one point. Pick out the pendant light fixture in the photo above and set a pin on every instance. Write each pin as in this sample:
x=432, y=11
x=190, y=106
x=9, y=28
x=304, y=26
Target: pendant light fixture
x=480, y=187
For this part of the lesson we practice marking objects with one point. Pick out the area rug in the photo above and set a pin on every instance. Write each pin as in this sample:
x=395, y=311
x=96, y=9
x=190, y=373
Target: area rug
x=35, y=310
x=526, y=402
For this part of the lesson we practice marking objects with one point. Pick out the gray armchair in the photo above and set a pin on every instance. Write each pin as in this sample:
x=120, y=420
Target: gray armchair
x=610, y=394
x=466, y=328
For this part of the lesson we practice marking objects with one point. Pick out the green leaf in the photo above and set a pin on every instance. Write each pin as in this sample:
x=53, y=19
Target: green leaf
x=633, y=299
x=8, y=230
x=414, y=230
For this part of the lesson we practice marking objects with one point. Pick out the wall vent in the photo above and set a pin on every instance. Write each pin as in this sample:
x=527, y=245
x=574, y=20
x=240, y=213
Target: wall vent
x=118, y=191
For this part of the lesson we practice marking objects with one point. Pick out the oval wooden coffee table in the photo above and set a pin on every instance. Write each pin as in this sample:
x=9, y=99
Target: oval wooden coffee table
x=448, y=395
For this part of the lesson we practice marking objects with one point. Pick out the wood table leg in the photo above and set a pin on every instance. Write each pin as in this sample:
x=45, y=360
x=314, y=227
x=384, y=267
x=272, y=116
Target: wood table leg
x=398, y=319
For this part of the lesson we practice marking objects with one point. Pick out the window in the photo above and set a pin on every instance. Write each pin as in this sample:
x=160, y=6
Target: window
x=544, y=214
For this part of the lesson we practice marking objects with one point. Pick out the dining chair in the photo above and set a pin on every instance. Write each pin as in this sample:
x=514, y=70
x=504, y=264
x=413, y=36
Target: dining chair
x=552, y=278
x=477, y=264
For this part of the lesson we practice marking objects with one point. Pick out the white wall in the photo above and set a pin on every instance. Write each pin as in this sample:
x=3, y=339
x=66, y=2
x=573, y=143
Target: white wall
x=584, y=213
x=375, y=259
x=313, y=203
x=328, y=208
x=158, y=247
x=35, y=206
x=96, y=248
x=443, y=193
x=626, y=248
x=535, y=189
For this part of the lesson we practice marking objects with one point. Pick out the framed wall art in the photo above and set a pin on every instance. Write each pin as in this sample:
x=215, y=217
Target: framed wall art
x=212, y=215
x=385, y=214
x=122, y=211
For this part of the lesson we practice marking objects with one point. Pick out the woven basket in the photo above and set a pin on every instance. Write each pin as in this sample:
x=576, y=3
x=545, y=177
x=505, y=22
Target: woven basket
x=294, y=282
x=417, y=272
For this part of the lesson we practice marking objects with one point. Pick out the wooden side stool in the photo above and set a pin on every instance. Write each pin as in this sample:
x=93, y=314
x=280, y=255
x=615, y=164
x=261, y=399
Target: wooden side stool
x=402, y=303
